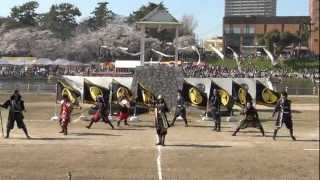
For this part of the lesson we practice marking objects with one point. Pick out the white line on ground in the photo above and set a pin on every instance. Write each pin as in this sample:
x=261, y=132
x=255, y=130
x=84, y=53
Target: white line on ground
x=159, y=160
x=312, y=149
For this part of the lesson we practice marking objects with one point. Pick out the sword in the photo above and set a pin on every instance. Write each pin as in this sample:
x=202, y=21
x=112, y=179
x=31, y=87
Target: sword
x=1, y=124
x=281, y=118
x=156, y=116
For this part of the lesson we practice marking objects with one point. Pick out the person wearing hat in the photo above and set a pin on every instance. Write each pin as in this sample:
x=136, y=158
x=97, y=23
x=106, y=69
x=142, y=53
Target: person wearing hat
x=16, y=108
x=214, y=104
x=180, y=110
x=65, y=114
x=161, y=122
x=283, y=108
x=251, y=119
x=101, y=113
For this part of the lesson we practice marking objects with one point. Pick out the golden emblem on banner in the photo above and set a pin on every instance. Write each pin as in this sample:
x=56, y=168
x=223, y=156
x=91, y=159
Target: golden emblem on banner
x=67, y=92
x=95, y=92
x=224, y=96
x=195, y=96
x=147, y=97
x=268, y=96
x=123, y=92
x=242, y=96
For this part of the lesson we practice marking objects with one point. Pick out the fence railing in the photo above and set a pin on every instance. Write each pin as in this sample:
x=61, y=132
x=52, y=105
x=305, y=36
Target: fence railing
x=293, y=90
x=28, y=88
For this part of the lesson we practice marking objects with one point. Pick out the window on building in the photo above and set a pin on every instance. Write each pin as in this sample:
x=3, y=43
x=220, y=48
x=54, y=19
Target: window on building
x=249, y=29
x=227, y=29
x=236, y=30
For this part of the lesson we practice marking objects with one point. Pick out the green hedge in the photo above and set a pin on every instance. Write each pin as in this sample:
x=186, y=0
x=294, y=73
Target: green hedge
x=297, y=64
x=263, y=64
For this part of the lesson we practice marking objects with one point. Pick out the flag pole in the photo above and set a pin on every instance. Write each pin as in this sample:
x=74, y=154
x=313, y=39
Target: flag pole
x=134, y=117
x=82, y=116
x=206, y=117
x=1, y=124
x=55, y=116
x=110, y=102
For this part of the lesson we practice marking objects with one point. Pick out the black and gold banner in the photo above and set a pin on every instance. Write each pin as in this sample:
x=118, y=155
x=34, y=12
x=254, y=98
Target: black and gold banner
x=145, y=96
x=119, y=90
x=240, y=95
x=225, y=97
x=194, y=96
x=91, y=92
x=266, y=96
x=64, y=88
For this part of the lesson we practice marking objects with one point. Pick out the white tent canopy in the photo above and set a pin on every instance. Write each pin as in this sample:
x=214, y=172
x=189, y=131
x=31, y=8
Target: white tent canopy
x=43, y=61
x=36, y=61
x=130, y=64
x=65, y=62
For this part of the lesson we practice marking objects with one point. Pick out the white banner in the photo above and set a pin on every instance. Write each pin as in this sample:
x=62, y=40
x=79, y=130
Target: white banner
x=77, y=81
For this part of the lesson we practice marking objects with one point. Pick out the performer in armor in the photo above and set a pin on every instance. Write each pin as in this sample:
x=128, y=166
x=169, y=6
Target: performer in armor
x=65, y=114
x=180, y=110
x=214, y=104
x=283, y=108
x=251, y=119
x=16, y=108
x=124, y=111
x=161, y=122
x=101, y=113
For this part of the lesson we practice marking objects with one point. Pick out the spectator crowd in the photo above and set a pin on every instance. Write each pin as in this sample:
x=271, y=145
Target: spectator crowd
x=210, y=71
x=189, y=70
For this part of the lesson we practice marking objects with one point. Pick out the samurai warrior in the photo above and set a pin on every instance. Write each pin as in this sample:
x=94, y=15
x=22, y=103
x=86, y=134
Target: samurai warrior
x=124, y=111
x=251, y=119
x=214, y=104
x=16, y=108
x=283, y=109
x=65, y=114
x=101, y=112
x=180, y=110
x=161, y=122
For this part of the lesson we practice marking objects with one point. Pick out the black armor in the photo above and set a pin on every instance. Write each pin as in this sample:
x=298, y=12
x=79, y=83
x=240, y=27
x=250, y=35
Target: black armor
x=16, y=105
x=215, y=111
x=251, y=120
x=180, y=111
x=161, y=122
x=284, y=116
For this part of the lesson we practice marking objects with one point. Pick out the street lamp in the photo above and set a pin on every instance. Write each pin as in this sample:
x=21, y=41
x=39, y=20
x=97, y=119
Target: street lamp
x=236, y=57
x=194, y=48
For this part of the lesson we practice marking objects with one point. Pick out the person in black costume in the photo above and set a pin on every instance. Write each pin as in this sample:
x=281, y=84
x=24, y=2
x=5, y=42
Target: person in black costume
x=101, y=113
x=16, y=108
x=161, y=122
x=283, y=108
x=214, y=104
x=180, y=110
x=251, y=119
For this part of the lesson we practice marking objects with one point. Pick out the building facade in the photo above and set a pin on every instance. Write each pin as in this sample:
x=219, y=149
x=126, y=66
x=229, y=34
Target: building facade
x=216, y=42
x=314, y=36
x=250, y=7
x=241, y=31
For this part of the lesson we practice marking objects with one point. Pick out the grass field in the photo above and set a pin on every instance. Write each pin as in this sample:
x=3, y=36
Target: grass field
x=193, y=153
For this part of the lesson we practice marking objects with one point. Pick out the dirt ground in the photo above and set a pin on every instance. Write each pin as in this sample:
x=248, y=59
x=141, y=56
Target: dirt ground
x=195, y=153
